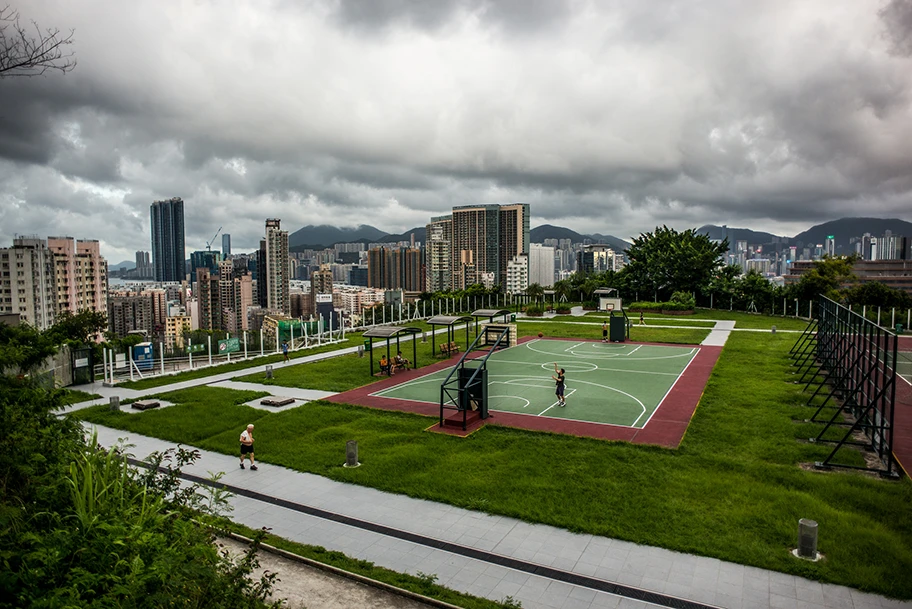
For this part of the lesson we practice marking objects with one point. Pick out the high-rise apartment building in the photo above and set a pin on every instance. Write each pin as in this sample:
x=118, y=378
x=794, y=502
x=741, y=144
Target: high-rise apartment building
x=28, y=282
x=438, y=256
x=81, y=275
x=226, y=245
x=596, y=258
x=235, y=293
x=395, y=268
x=276, y=270
x=204, y=259
x=130, y=314
x=541, y=265
x=517, y=276
x=484, y=239
x=321, y=282
x=168, y=239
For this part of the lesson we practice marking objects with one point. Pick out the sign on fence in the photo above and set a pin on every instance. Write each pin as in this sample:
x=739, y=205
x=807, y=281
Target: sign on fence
x=231, y=345
x=196, y=348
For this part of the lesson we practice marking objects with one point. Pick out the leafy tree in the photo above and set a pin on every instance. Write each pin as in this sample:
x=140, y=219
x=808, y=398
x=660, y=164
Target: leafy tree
x=757, y=289
x=562, y=289
x=827, y=277
x=535, y=291
x=23, y=348
x=877, y=294
x=79, y=328
x=666, y=261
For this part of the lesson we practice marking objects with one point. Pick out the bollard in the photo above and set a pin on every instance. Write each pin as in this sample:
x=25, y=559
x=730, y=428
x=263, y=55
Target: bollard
x=351, y=454
x=269, y=371
x=774, y=329
x=424, y=337
x=360, y=350
x=807, y=539
x=114, y=402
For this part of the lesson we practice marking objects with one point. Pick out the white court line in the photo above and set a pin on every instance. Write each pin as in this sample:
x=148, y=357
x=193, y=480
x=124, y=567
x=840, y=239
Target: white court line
x=573, y=347
x=659, y=405
x=547, y=409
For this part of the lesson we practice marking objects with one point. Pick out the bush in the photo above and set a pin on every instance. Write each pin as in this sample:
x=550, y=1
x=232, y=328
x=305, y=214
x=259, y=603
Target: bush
x=562, y=310
x=535, y=310
x=684, y=299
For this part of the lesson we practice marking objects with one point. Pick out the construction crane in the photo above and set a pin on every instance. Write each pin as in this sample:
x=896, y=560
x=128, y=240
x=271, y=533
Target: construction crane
x=209, y=245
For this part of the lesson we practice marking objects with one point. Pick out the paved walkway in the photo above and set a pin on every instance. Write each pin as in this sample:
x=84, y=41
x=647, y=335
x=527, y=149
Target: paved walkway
x=494, y=556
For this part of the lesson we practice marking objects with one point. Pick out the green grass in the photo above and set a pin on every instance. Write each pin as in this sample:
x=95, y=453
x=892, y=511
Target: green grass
x=734, y=489
x=74, y=396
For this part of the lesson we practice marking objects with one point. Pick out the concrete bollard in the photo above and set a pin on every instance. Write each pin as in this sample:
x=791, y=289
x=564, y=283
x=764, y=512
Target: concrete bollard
x=774, y=329
x=269, y=371
x=424, y=337
x=360, y=350
x=114, y=402
x=351, y=454
x=807, y=539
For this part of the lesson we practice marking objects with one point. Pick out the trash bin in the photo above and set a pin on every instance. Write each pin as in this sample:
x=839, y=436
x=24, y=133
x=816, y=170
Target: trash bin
x=899, y=328
x=512, y=317
x=367, y=345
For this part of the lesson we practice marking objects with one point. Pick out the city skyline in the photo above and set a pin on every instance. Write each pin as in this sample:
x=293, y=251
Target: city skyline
x=612, y=120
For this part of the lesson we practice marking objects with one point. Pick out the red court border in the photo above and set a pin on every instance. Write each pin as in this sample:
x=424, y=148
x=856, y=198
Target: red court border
x=665, y=428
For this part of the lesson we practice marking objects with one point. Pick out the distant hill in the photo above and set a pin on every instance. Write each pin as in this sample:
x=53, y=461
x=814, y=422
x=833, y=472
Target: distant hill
x=737, y=234
x=548, y=231
x=845, y=229
x=126, y=264
x=318, y=237
x=418, y=231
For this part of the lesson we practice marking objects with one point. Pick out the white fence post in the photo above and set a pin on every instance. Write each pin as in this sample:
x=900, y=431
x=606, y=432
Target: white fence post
x=161, y=347
x=209, y=340
x=190, y=351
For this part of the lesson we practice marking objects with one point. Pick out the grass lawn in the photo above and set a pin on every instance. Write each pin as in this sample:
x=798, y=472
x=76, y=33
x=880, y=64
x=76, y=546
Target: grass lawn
x=74, y=396
x=734, y=489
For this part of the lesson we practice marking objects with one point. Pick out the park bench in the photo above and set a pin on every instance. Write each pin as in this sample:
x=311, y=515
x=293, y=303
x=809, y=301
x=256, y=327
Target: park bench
x=277, y=401
x=145, y=404
x=449, y=348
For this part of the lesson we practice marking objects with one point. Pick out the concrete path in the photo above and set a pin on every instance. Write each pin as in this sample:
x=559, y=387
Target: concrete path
x=493, y=556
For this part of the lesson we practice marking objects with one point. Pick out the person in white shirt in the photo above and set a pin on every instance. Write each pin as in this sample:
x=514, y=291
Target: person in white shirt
x=247, y=446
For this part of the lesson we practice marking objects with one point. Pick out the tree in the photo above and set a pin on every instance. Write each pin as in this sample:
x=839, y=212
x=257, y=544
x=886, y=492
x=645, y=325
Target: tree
x=827, y=277
x=79, y=328
x=32, y=51
x=666, y=261
x=535, y=291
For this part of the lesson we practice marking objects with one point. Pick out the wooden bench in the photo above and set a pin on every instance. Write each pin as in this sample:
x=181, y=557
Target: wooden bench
x=277, y=401
x=145, y=404
x=449, y=348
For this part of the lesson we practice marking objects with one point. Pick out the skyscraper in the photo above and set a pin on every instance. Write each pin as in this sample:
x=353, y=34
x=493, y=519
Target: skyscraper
x=437, y=252
x=168, y=239
x=226, y=245
x=277, y=270
x=485, y=238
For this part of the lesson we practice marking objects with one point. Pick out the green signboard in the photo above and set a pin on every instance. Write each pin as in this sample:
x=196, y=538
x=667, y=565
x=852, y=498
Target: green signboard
x=231, y=345
x=195, y=348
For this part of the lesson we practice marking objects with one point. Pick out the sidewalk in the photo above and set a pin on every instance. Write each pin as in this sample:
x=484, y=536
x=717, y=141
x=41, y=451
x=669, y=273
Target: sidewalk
x=493, y=556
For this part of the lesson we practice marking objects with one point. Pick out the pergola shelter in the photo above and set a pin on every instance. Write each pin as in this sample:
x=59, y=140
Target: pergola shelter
x=490, y=314
x=389, y=332
x=449, y=321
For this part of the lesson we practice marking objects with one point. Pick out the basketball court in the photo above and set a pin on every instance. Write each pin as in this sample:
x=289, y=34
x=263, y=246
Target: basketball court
x=614, y=383
x=641, y=393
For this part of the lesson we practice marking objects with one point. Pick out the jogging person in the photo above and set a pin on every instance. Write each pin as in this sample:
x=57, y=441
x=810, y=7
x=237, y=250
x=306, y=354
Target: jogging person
x=247, y=446
x=559, y=390
x=285, y=349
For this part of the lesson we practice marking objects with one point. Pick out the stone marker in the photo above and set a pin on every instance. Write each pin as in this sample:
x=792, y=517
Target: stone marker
x=114, y=402
x=807, y=539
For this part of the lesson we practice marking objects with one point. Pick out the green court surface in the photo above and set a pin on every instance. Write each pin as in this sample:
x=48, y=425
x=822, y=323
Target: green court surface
x=614, y=383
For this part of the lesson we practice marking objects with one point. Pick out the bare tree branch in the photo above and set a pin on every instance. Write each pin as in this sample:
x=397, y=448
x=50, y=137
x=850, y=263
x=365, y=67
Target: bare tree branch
x=27, y=53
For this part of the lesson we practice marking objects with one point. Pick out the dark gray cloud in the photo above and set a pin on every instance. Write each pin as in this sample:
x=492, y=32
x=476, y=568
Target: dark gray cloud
x=605, y=117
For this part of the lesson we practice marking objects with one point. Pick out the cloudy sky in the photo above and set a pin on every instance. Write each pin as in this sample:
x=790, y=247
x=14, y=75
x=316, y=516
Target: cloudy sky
x=606, y=116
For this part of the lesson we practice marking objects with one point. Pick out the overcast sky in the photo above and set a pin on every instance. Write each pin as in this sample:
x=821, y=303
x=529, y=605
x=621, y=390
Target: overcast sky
x=605, y=116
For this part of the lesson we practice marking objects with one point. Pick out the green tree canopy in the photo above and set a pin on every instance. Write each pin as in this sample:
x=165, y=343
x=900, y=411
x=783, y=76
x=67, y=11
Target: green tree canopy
x=667, y=261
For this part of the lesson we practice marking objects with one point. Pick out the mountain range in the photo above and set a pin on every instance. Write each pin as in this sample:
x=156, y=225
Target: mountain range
x=843, y=230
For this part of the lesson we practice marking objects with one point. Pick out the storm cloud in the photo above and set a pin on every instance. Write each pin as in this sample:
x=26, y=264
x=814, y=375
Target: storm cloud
x=609, y=117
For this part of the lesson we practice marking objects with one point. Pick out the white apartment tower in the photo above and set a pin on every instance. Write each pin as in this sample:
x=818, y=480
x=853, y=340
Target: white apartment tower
x=28, y=282
x=81, y=275
x=541, y=265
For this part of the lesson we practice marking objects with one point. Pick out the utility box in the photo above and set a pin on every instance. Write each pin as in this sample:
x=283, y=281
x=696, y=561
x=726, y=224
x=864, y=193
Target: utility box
x=617, y=329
